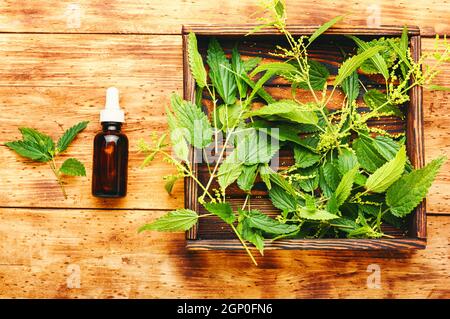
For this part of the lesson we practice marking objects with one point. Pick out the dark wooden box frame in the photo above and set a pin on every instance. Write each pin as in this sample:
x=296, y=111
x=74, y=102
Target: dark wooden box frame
x=414, y=144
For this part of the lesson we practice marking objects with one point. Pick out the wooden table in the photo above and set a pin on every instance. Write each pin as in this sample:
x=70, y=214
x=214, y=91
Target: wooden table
x=57, y=58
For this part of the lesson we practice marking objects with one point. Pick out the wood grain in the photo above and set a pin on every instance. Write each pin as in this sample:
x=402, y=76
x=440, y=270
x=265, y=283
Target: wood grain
x=58, y=78
x=163, y=17
x=38, y=247
x=55, y=77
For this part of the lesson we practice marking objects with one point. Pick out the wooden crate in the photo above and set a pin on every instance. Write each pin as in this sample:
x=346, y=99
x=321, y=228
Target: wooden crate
x=211, y=232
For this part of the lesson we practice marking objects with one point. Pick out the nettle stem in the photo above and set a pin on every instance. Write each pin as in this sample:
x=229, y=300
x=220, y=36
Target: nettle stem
x=58, y=177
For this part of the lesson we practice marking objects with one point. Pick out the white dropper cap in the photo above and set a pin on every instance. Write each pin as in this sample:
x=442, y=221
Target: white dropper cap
x=112, y=111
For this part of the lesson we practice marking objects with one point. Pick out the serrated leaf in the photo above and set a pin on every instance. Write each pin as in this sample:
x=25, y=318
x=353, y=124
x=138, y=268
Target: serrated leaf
x=407, y=192
x=350, y=86
x=229, y=171
x=72, y=167
x=256, y=147
x=191, y=118
x=324, y=27
x=331, y=174
x=247, y=178
x=229, y=115
x=387, y=174
x=251, y=63
x=239, y=71
x=252, y=235
x=368, y=156
x=318, y=75
x=258, y=220
x=310, y=180
x=221, y=73
x=196, y=62
x=44, y=141
x=380, y=63
x=264, y=173
x=278, y=68
x=377, y=60
x=345, y=186
x=282, y=200
x=346, y=161
x=289, y=110
x=69, y=136
x=222, y=210
x=304, y=157
x=178, y=220
x=353, y=63
x=29, y=150
x=177, y=137
x=317, y=214
x=376, y=99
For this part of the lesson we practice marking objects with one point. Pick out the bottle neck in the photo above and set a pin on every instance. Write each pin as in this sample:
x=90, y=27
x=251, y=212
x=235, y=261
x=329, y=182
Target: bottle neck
x=111, y=126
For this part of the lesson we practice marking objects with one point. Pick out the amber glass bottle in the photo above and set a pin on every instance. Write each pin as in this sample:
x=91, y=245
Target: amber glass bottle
x=110, y=168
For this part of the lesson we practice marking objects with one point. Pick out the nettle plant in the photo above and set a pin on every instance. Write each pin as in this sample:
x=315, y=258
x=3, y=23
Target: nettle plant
x=347, y=179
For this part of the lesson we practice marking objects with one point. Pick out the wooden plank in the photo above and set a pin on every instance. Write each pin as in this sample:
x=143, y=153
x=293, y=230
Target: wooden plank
x=40, y=249
x=162, y=17
x=75, y=70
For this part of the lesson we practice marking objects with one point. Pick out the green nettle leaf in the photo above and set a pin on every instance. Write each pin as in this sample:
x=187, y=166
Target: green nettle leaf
x=383, y=60
x=376, y=99
x=252, y=235
x=196, y=62
x=282, y=200
x=247, y=178
x=251, y=63
x=407, y=192
x=229, y=171
x=44, y=141
x=239, y=71
x=331, y=174
x=178, y=220
x=72, y=167
x=350, y=86
x=35, y=145
x=377, y=60
x=256, y=147
x=324, y=27
x=288, y=110
x=264, y=173
x=368, y=156
x=222, y=210
x=29, y=150
x=317, y=214
x=310, y=179
x=304, y=157
x=198, y=130
x=386, y=146
x=346, y=161
x=221, y=73
x=229, y=115
x=69, y=135
x=258, y=220
x=179, y=144
x=387, y=174
x=324, y=187
x=345, y=186
x=318, y=75
x=350, y=65
x=279, y=68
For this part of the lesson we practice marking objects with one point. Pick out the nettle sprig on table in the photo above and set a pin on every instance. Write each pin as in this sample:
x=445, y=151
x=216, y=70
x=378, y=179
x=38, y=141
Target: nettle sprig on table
x=40, y=147
x=348, y=178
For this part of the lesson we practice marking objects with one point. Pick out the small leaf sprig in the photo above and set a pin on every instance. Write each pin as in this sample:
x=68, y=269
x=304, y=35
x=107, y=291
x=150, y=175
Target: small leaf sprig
x=40, y=147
